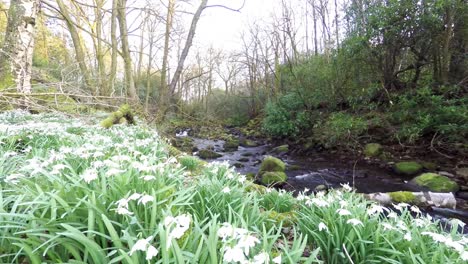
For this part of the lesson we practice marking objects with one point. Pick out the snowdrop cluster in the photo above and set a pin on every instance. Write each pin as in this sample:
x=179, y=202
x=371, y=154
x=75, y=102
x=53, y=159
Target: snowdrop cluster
x=145, y=246
x=176, y=227
x=122, y=204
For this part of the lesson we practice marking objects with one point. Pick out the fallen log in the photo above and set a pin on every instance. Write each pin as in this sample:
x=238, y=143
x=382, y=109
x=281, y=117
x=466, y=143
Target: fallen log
x=422, y=199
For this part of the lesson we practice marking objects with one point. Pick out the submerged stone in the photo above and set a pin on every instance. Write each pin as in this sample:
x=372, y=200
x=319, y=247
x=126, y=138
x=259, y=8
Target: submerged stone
x=408, y=168
x=272, y=164
x=272, y=177
x=208, y=154
x=281, y=149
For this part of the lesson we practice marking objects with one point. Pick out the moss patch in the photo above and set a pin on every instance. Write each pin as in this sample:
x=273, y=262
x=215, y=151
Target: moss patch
x=122, y=116
x=373, y=150
x=272, y=164
x=436, y=183
x=288, y=219
x=271, y=177
x=208, y=154
x=232, y=144
x=281, y=149
x=408, y=168
x=402, y=197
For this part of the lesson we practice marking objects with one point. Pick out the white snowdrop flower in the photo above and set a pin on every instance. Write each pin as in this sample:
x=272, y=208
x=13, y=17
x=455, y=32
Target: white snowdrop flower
x=98, y=164
x=322, y=226
x=261, y=258
x=269, y=190
x=454, y=244
x=98, y=154
x=408, y=236
x=320, y=194
x=145, y=199
x=320, y=202
x=281, y=192
x=9, y=154
x=226, y=190
x=148, y=178
x=13, y=178
x=392, y=215
x=233, y=254
x=343, y=212
x=343, y=203
x=246, y=242
x=134, y=197
x=241, y=179
x=122, y=203
x=111, y=164
x=120, y=158
x=415, y=209
x=436, y=237
x=230, y=176
x=346, y=187
x=419, y=222
x=89, y=175
x=238, y=232
x=123, y=211
x=464, y=255
x=226, y=231
x=301, y=197
x=457, y=222
x=354, y=222
x=376, y=209
x=151, y=252
x=401, y=225
x=145, y=246
x=277, y=260
x=113, y=172
x=178, y=226
x=387, y=226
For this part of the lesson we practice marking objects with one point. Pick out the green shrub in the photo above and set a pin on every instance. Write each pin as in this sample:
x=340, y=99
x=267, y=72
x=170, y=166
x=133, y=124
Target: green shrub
x=340, y=129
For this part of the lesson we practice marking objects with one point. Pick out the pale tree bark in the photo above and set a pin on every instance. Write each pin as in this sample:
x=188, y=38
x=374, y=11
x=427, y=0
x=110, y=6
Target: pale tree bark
x=188, y=44
x=103, y=82
x=77, y=43
x=128, y=68
x=17, y=52
x=167, y=35
x=113, y=69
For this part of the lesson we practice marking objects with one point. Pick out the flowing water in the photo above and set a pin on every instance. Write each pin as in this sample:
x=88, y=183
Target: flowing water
x=321, y=169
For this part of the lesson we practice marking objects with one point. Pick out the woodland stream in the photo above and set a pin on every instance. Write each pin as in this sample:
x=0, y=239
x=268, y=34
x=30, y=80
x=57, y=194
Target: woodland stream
x=324, y=170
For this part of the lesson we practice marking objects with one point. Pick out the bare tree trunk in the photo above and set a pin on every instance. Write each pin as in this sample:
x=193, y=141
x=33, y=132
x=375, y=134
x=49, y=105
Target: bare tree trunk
x=79, y=50
x=17, y=52
x=103, y=82
x=187, y=46
x=113, y=70
x=314, y=15
x=122, y=18
x=336, y=26
x=164, y=89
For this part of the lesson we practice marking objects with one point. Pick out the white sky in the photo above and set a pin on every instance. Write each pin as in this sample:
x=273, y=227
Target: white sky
x=222, y=28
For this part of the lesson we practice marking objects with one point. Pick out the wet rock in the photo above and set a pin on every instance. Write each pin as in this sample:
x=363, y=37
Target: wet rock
x=430, y=166
x=407, y=168
x=373, y=150
x=231, y=145
x=208, y=154
x=238, y=165
x=183, y=143
x=293, y=167
x=462, y=173
x=280, y=149
x=446, y=174
x=463, y=195
x=272, y=164
x=435, y=182
x=248, y=143
x=243, y=159
x=247, y=154
x=272, y=171
x=320, y=188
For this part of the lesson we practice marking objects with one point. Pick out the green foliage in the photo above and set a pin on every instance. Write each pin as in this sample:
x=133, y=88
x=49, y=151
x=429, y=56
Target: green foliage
x=286, y=117
x=340, y=129
x=190, y=163
x=424, y=113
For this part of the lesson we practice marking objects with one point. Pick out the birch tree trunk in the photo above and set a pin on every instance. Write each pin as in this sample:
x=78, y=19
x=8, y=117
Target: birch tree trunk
x=17, y=52
x=167, y=35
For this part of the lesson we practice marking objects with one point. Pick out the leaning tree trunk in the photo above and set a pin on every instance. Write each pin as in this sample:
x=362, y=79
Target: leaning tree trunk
x=424, y=199
x=17, y=52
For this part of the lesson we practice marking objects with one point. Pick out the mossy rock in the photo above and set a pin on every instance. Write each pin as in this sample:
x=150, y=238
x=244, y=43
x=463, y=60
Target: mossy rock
x=173, y=151
x=373, y=150
x=402, y=197
x=248, y=143
x=288, y=219
x=250, y=176
x=252, y=187
x=183, y=143
x=122, y=116
x=272, y=164
x=238, y=165
x=273, y=177
x=208, y=154
x=281, y=149
x=435, y=182
x=232, y=144
x=430, y=166
x=408, y=168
